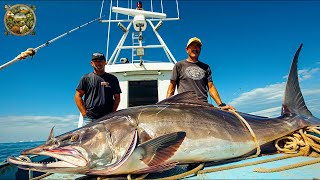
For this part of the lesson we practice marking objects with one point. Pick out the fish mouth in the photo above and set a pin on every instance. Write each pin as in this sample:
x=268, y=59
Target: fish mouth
x=65, y=158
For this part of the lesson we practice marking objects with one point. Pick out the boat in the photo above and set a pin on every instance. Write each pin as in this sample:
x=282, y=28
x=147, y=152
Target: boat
x=137, y=71
x=154, y=76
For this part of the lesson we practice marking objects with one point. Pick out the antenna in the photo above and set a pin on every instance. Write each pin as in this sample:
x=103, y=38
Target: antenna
x=138, y=18
x=134, y=12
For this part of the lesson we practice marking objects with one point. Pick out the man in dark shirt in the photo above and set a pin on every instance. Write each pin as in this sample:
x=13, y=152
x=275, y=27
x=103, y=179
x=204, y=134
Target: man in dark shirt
x=193, y=75
x=101, y=91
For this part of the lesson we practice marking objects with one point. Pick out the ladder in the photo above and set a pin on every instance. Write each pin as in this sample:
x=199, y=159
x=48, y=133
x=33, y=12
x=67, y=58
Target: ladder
x=135, y=42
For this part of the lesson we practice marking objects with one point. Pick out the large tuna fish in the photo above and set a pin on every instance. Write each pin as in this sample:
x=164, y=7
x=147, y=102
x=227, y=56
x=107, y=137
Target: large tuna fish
x=177, y=130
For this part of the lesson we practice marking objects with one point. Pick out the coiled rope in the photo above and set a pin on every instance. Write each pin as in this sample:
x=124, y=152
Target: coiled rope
x=302, y=142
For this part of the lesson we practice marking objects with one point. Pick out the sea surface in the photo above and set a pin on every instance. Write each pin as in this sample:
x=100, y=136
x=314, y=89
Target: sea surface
x=14, y=149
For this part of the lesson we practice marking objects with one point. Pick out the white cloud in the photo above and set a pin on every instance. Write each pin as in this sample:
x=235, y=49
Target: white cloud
x=34, y=128
x=271, y=112
x=268, y=94
x=305, y=74
x=267, y=101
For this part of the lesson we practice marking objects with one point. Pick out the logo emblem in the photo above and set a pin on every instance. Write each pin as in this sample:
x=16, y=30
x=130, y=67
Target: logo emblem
x=195, y=72
x=20, y=19
x=105, y=84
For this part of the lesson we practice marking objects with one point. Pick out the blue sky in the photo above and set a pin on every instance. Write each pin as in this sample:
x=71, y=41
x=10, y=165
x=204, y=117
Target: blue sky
x=248, y=44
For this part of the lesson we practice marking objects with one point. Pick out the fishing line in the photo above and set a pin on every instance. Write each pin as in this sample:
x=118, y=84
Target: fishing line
x=33, y=51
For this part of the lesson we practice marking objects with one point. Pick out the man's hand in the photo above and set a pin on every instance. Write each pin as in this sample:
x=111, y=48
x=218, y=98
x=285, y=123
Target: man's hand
x=227, y=107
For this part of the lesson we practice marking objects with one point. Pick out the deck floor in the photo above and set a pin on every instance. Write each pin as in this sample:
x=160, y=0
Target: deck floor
x=304, y=172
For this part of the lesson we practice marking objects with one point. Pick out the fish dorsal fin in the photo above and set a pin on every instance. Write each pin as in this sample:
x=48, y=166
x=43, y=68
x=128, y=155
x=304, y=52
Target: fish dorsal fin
x=51, y=136
x=160, y=149
x=293, y=101
x=189, y=97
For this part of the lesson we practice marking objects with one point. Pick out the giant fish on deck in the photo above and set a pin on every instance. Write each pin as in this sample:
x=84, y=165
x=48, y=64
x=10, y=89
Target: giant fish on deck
x=177, y=130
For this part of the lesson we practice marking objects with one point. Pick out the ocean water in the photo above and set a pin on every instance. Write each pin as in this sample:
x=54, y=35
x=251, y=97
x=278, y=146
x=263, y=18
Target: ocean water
x=14, y=149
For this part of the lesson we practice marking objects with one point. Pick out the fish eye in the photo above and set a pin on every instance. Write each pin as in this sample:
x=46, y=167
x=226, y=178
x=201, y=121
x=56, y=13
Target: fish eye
x=55, y=142
x=74, y=138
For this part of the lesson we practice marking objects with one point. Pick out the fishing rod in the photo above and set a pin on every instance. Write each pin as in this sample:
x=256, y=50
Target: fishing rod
x=32, y=51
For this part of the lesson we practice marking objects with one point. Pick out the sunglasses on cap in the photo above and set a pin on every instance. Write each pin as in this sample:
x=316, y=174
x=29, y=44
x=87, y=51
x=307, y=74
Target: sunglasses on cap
x=98, y=56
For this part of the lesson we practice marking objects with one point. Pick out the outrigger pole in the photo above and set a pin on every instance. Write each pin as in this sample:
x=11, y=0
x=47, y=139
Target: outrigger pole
x=32, y=51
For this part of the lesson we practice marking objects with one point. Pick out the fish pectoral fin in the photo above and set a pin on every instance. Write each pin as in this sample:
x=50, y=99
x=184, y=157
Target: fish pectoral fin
x=156, y=168
x=160, y=149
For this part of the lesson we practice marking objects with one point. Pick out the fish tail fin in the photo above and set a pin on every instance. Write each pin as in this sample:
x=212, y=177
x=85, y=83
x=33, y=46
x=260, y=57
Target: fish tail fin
x=293, y=102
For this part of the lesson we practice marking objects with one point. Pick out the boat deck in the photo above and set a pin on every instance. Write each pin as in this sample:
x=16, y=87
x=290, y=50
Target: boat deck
x=305, y=172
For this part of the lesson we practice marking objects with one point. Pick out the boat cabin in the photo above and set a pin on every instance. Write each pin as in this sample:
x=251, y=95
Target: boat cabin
x=142, y=85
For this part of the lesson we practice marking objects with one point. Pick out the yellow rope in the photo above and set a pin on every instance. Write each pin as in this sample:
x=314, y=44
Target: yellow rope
x=185, y=174
x=250, y=130
x=247, y=164
x=283, y=168
x=240, y=165
x=301, y=142
x=41, y=177
x=138, y=178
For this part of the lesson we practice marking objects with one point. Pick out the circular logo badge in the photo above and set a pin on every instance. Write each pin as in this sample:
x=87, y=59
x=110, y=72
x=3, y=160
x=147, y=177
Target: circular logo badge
x=195, y=72
x=20, y=19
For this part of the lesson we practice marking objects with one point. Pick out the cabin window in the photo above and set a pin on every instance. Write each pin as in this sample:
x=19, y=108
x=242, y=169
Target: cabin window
x=143, y=92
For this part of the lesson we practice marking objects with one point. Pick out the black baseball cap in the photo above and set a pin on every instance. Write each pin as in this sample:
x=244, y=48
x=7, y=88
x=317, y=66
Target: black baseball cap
x=98, y=56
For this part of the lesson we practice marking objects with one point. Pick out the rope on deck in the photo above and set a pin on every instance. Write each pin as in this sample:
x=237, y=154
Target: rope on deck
x=302, y=143
x=185, y=174
x=178, y=176
x=283, y=168
x=248, y=164
x=303, y=140
x=41, y=176
x=138, y=178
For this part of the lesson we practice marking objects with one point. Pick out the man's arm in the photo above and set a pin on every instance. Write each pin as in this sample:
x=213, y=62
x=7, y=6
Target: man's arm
x=171, y=88
x=79, y=102
x=215, y=95
x=116, y=102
